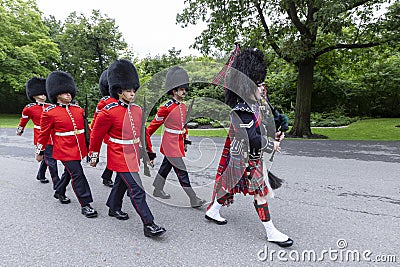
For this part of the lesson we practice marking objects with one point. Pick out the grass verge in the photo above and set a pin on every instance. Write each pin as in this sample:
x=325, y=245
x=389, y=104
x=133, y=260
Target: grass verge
x=372, y=129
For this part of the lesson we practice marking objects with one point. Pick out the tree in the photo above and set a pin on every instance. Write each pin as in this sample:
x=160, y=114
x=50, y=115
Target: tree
x=298, y=31
x=25, y=50
x=87, y=46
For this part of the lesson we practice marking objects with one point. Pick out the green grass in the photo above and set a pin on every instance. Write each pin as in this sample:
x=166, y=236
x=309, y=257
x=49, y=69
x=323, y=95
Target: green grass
x=12, y=120
x=371, y=129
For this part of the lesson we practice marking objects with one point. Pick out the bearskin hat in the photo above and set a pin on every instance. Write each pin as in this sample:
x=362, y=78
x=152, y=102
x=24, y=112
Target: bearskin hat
x=176, y=78
x=103, y=84
x=121, y=75
x=35, y=86
x=249, y=69
x=59, y=82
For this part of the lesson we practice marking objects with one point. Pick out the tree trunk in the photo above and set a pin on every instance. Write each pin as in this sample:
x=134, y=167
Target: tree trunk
x=305, y=82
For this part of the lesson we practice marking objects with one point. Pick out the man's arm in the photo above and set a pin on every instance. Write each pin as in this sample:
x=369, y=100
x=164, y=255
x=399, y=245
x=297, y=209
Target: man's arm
x=26, y=116
x=46, y=128
x=100, y=129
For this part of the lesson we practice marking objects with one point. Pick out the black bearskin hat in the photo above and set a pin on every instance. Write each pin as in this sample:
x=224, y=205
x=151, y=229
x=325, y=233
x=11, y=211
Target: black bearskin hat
x=176, y=78
x=103, y=84
x=248, y=71
x=59, y=82
x=121, y=75
x=35, y=86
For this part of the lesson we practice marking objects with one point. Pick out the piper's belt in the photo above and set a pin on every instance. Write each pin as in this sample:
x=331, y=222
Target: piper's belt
x=173, y=131
x=36, y=126
x=125, y=142
x=70, y=133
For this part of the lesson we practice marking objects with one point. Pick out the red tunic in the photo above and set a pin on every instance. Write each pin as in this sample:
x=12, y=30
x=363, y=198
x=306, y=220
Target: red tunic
x=102, y=103
x=33, y=111
x=173, y=116
x=123, y=125
x=69, y=135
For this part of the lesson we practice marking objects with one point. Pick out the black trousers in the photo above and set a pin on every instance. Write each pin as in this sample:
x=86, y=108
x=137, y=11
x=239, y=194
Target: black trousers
x=50, y=162
x=107, y=174
x=74, y=172
x=130, y=181
x=181, y=172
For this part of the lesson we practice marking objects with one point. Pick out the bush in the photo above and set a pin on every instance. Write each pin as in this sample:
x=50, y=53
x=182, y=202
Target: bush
x=202, y=121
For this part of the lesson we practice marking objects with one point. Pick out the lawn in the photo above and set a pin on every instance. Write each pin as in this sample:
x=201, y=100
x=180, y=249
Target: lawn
x=372, y=129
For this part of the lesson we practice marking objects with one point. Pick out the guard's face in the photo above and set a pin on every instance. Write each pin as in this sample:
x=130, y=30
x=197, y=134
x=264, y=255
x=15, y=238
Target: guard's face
x=181, y=92
x=40, y=98
x=259, y=91
x=64, y=98
x=128, y=95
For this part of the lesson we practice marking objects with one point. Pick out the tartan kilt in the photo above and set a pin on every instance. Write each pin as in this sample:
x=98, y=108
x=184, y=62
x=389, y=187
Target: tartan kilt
x=251, y=184
x=234, y=179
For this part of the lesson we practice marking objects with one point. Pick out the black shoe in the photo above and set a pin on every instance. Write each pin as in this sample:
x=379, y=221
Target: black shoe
x=153, y=230
x=43, y=180
x=120, y=215
x=197, y=202
x=161, y=194
x=89, y=212
x=62, y=198
x=108, y=183
x=284, y=244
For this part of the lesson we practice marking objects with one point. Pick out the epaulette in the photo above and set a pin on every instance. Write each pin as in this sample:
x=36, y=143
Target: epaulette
x=75, y=105
x=50, y=107
x=243, y=107
x=169, y=103
x=104, y=98
x=31, y=105
x=111, y=105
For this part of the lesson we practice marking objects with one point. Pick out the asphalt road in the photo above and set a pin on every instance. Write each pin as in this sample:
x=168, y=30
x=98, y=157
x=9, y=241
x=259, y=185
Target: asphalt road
x=334, y=191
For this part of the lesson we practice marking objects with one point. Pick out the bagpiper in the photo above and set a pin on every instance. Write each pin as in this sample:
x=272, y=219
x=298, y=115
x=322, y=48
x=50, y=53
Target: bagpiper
x=174, y=140
x=36, y=92
x=66, y=120
x=251, y=134
x=122, y=122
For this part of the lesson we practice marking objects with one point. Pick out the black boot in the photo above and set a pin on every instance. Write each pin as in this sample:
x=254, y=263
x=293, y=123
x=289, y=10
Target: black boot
x=161, y=194
x=108, y=183
x=196, y=202
x=153, y=230
x=88, y=211
x=62, y=198
x=119, y=214
x=43, y=180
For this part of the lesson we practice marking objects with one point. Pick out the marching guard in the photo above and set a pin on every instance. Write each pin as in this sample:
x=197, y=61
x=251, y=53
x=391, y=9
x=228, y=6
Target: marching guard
x=122, y=122
x=241, y=165
x=174, y=141
x=104, y=101
x=66, y=120
x=36, y=91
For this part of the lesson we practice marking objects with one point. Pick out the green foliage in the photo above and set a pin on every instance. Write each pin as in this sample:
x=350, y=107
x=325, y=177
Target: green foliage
x=298, y=31
x=25, y=50
x=202, y=121
x=87, y=46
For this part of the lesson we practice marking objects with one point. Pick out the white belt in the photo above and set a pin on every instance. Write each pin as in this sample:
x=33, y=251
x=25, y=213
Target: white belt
x=70, y=133
x=174, y=131
x=36, y=126
x=125, y=142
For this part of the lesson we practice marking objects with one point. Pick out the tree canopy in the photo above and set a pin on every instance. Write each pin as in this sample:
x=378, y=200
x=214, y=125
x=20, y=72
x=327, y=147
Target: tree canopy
x=298, y=31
